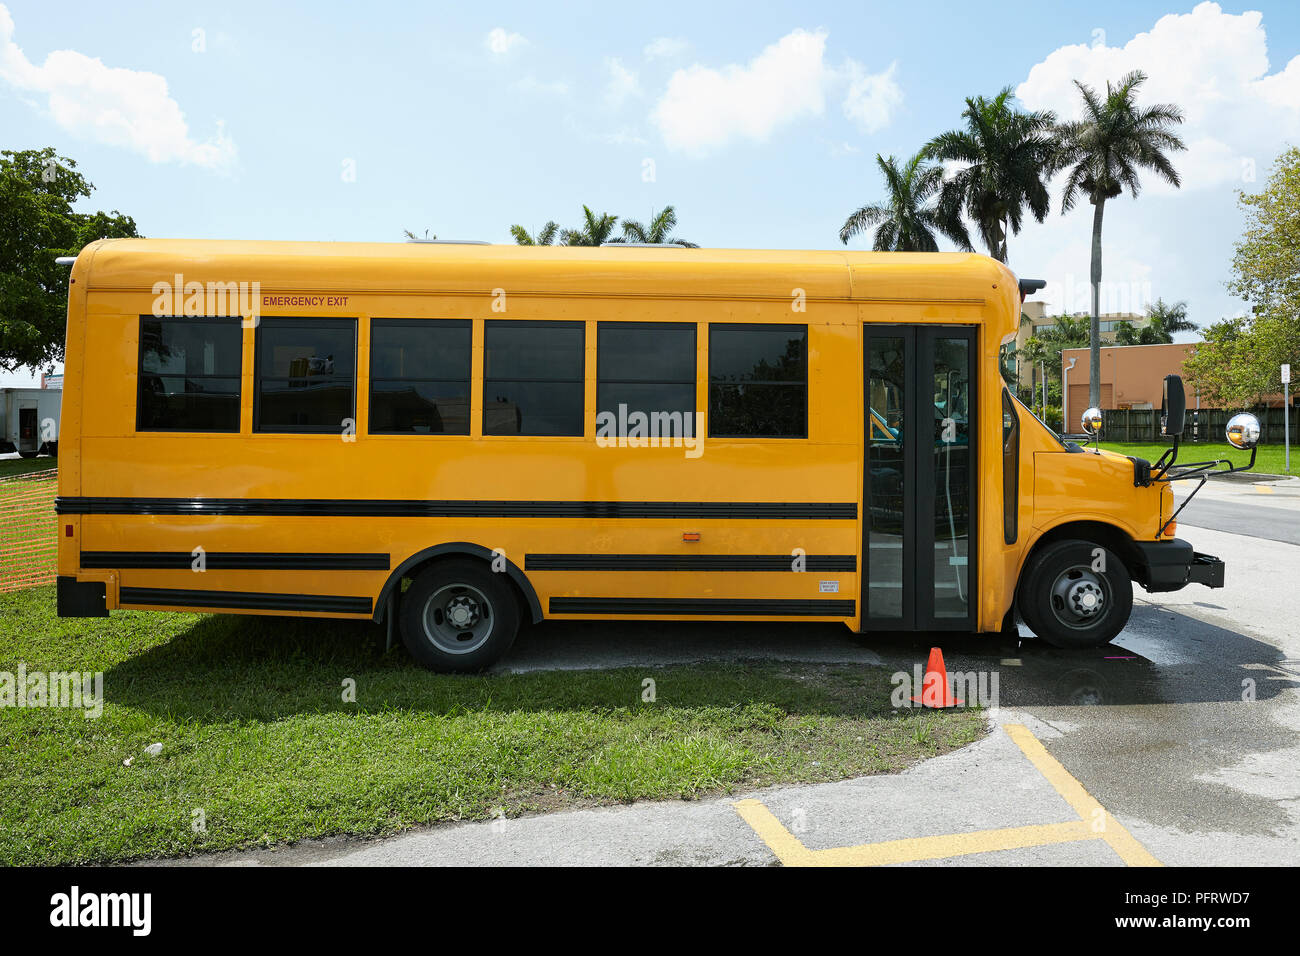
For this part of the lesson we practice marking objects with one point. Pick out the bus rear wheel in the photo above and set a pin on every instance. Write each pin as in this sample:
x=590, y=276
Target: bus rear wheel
x=458, y=616
x=1076, y=594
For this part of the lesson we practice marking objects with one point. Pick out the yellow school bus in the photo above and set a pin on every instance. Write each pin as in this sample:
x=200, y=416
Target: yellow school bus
x=455, y=439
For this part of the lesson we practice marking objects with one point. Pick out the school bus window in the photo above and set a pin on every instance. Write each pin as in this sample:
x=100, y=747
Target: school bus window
x=305, y=374
x=419, y=376
x=758, y=381
x=532, y=377
x=1010, y=468
x=188, y=375
x=646, y=367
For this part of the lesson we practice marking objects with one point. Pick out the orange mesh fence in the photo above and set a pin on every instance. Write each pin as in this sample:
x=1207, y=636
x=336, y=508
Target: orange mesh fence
x=28, y=530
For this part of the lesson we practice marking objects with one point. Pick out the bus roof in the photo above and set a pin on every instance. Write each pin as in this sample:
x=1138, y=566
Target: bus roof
x=136, y=264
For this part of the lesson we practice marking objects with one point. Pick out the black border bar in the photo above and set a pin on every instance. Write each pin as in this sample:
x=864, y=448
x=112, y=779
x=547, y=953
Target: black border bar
x=245, y=600
x=707, y=606
x=236, y=561
x=419, y=508
x=687, y=562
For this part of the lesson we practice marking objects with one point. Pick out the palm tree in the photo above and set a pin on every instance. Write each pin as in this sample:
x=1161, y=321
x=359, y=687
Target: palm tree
x=595, y=230
x=1005, y=156
x=908, y=218
x=1103, y=153
x=1165, y=320
x=545, y=237
x=1045, y=345
x=659, y=232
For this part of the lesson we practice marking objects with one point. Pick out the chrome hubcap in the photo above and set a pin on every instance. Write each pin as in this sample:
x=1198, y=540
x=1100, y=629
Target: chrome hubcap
x=457, y=619
x=1078, y=597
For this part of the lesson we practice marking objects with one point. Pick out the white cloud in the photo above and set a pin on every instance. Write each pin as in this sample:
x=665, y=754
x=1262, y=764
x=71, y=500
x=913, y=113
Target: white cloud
x=500, y=41
x=1171, y=243
x=1212, y=64
x=872, y=98
x=622, y=83
x=111, y=105
x=665, y=48
x=704, y=108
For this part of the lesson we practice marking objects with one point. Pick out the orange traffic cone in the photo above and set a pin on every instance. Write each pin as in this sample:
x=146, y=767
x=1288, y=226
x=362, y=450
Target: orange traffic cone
x=935, y=691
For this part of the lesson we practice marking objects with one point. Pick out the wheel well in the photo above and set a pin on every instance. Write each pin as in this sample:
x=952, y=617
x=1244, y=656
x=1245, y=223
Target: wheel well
x=1107, y=535
x=529, y=605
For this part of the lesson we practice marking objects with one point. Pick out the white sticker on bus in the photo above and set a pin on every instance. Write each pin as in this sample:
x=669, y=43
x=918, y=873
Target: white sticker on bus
x=829, y=587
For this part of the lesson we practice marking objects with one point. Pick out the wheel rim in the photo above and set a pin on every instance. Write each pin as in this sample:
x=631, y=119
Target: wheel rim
x=1080, y=597
x=457, y=619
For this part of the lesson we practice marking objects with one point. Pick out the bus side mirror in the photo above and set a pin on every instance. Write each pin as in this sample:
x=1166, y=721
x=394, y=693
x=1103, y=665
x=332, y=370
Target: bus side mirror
x=1173, y=407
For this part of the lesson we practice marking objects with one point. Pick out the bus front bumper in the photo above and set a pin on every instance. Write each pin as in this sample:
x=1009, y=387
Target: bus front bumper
x=1173, y=564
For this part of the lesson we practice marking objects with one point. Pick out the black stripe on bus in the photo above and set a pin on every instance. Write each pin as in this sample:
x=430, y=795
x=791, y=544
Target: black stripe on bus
x=236, y=560
x=417, y=508
x=703, y=606
x=687, y=562
x=245, y=600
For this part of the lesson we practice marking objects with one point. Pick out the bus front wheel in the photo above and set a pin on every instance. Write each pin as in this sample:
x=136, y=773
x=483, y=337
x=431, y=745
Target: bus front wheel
x=1075, y=594
x=458, y=616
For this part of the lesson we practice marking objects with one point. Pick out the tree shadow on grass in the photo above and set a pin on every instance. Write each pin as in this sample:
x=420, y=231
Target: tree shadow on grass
x=228, y=667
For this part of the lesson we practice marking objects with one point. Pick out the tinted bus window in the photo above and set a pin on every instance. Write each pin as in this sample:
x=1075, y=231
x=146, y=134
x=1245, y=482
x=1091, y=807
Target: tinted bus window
x=532, y=378
x=189, y=375
x=419, y=376
x=305, y=375
x=647, y=367
x=758, y=381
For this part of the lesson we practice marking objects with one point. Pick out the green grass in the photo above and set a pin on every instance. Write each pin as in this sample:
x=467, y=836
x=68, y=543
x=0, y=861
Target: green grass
x=1269, y=460
x=22, y=466
x=255, y=733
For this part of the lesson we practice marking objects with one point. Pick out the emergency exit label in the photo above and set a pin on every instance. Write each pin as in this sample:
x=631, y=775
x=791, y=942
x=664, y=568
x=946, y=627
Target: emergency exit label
x=829, y=587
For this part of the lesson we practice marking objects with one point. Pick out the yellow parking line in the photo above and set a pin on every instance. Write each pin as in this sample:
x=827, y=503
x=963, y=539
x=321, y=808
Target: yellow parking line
x=1094, y=823
x=1085, y=805
x=1264, y=489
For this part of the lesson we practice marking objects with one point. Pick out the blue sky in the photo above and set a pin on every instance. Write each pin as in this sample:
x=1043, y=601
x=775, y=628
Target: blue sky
x=761, y=121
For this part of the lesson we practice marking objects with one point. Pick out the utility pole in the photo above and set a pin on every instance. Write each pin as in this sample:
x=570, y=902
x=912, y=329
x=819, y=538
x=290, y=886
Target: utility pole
x=1286, y=412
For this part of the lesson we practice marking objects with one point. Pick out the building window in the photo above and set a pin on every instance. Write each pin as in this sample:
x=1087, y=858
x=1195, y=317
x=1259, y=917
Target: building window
x=305, y=375
x=189, y=375
x=419, y=376
x=647, y=367
x=758, y=381
x=532, y=377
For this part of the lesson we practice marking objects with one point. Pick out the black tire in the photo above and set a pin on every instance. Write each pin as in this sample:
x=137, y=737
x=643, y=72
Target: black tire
x=1069, y=604
x=486, y=622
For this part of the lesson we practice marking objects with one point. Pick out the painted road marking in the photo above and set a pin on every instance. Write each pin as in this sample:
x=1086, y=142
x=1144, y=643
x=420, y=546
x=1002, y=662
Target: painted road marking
x=1264, y=489
x=1094, y=823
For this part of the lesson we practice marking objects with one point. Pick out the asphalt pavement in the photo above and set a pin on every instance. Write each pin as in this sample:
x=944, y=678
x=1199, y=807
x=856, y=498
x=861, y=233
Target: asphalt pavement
x=1178, y=744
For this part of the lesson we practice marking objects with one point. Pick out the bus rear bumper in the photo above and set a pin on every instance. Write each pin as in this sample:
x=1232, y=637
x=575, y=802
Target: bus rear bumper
x=1174, y=564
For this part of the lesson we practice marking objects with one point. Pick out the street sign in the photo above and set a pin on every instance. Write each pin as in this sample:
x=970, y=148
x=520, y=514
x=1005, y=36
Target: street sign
x=1286, y=373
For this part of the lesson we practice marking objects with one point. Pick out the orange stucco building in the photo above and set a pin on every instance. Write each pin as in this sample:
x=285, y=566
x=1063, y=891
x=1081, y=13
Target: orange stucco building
x=1132, y=376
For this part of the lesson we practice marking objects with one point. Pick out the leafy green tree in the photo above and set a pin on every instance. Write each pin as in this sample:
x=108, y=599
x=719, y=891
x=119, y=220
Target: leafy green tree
x=908, y=218
x=1005, y=156
x=1126, y=333
x=1238, y=363
x=545, y=236
x=37, y=223
x=596, y=229
x=1103, y=155
x=659, y=230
